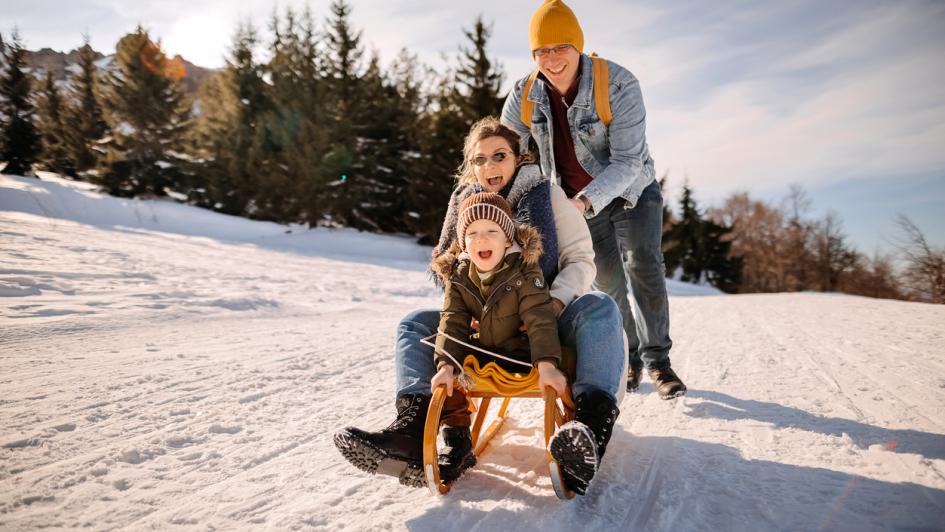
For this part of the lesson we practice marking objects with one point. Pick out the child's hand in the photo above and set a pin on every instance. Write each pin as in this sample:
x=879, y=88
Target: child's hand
x=444, y=376
x=549, y=375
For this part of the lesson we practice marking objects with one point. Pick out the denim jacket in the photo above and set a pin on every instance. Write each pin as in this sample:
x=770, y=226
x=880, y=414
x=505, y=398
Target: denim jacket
x=617, y=157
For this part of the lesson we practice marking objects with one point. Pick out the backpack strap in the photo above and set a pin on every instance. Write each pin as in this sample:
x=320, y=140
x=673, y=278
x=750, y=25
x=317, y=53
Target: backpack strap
x=528, y=106
x=601, y=94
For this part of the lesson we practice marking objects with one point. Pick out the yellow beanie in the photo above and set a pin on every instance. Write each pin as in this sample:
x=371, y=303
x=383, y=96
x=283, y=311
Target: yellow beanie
x=555, y=23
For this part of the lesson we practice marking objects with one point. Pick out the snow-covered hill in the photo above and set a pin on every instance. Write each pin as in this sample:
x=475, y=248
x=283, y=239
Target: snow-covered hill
x=166, y=367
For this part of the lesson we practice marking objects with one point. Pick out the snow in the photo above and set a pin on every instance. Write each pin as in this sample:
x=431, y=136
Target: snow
x=163, y=366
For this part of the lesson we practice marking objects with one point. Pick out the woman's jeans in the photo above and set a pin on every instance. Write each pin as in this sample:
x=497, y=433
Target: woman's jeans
x=591, y=325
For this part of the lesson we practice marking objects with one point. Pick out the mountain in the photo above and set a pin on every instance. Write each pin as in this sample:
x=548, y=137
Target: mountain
x=62, y=64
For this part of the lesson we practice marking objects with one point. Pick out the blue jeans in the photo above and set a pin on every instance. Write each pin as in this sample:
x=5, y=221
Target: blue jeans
x=629, y=258
x=590, y=325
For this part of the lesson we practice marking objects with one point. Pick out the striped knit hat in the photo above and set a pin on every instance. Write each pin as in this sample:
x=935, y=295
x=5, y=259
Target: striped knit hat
x=484, y=206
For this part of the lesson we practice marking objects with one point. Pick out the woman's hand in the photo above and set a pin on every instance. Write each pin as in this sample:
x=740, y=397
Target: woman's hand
x=444, y=376
x=549, y=375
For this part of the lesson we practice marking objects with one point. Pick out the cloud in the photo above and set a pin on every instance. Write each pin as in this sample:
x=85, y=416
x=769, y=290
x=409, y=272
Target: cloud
x=861, y=101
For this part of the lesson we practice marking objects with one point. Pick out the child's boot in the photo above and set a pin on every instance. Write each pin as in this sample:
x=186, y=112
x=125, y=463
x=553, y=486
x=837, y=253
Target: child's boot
x=578, y=446
x=457, y=455
x=397, y=450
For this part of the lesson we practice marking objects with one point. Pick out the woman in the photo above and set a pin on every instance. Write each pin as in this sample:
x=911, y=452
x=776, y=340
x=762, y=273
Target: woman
x=588, y=322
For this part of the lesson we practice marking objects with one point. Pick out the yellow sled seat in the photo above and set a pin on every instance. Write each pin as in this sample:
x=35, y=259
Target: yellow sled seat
x=491, y=381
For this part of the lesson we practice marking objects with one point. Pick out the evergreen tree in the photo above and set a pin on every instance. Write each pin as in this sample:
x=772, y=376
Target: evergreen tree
x=19, y=138
x=85, y=123
x=700, y=248
x=232, y=104
x=465, y=94
x=388, y=148
x=479, y=78
x=345, y=78
x=441, y=146
x=52, y=111
x=148, y=115
x=685, y=240
x=292, y=141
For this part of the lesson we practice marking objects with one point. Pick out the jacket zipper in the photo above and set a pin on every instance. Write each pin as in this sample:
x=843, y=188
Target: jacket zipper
x=485, y=305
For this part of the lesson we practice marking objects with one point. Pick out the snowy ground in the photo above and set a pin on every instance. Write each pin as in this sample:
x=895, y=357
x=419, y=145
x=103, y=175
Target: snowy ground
x=166, y=367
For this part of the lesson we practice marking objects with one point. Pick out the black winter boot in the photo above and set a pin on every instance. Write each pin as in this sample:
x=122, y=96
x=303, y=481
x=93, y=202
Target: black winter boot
x=579, y=445
x=457, y=455
x=634, y=374
x=397, y=450
x=667, y=383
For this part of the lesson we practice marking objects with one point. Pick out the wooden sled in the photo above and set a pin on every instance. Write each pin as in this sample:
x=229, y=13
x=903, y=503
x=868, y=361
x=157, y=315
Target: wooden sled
x=488, y=382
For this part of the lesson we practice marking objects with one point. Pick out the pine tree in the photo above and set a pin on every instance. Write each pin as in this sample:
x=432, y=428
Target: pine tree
x=148, y=115
x=85, y=123
x=19, y=138
x=228, y=130
x=466, y=93
x=479, y=78
x=685, y=238
x=701, y=248
x=349, y=185
x=291, y=186
x=52, y=112
x=441, y=146
x=388, y=148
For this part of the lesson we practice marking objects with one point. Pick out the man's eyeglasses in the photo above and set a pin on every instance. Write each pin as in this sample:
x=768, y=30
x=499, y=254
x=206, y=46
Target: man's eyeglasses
x=560, y=49
x=496, y=157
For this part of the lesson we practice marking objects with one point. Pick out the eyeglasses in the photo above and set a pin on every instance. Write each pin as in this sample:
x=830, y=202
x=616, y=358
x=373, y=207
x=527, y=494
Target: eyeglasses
x=496, y=157
x=560, y=49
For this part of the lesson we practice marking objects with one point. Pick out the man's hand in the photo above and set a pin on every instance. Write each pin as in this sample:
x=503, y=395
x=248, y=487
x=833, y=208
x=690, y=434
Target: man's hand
x=578, y=204
x=558, y=306
x=444, y=376
x=549, y=375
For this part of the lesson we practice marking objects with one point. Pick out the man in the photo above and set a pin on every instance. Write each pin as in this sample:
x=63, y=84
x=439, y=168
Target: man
x=607, y=172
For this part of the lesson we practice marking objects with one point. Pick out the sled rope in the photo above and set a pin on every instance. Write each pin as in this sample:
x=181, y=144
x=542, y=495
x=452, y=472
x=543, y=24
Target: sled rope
x=463, y=376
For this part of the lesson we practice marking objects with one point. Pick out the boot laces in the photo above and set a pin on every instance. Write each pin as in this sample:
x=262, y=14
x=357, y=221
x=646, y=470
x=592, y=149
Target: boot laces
x=405, y=416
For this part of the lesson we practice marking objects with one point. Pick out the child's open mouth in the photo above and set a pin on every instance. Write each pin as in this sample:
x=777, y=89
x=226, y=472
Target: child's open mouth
x=485, y=254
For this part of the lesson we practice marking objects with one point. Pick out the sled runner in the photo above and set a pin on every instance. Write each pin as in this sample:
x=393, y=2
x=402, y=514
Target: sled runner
x=488, y=382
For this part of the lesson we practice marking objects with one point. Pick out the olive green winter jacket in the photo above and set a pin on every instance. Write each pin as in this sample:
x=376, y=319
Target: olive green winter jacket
x=516, y=296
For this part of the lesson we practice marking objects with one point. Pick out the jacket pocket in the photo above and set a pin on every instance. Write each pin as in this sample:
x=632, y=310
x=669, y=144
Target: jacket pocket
x=594, y=136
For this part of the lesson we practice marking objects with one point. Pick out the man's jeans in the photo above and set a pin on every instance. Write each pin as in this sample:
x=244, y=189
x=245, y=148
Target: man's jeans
x=590, y=325
x=629, y=259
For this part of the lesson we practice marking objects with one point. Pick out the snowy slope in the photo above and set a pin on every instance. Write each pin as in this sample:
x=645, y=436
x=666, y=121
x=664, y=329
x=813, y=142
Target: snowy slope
x=166, y=367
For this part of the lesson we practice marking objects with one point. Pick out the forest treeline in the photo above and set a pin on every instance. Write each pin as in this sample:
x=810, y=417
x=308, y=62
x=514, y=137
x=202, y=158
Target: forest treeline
x=305, y=125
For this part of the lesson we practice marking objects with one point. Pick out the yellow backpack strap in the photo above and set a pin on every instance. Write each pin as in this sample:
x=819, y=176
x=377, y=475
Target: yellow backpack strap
x=528, y=106
x=601, y=93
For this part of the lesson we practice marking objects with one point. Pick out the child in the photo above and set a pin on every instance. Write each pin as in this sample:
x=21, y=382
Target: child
x=491, y=274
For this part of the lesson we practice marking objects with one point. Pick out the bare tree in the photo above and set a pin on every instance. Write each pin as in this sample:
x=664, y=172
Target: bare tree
x=798, y=235
x=925, y=264
x=833, y=258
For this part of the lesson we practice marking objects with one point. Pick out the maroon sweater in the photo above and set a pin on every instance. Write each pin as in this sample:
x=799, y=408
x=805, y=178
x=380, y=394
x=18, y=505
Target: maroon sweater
x=573, y=176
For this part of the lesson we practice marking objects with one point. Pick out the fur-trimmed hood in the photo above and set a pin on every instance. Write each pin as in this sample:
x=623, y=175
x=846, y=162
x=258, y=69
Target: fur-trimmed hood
x=527, y=243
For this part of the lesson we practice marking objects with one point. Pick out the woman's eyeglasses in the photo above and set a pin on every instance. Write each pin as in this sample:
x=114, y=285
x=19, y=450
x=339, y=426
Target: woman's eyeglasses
x=496, y=157
x=560, y=49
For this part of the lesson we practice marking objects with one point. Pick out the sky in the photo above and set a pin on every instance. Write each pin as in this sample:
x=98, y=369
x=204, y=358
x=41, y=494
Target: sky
x=845, y=98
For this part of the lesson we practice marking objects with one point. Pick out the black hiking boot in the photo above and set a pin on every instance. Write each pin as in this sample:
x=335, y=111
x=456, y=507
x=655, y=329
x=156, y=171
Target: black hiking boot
x=578, y=446
x=634, y=374
x=457, y=455
x=397, y=450
x=667, y=383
